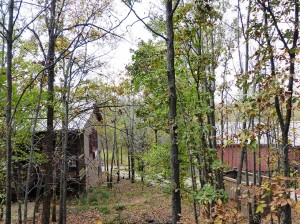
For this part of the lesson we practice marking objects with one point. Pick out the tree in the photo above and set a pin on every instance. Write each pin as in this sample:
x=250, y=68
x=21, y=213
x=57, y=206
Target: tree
x=289, y=39
x=9, y=57
x=52, y=26
x=175, y=181
x=32, y=146
x=244, y=70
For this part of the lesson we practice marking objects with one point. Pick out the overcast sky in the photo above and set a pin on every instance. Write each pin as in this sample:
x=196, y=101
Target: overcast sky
x=132, y=32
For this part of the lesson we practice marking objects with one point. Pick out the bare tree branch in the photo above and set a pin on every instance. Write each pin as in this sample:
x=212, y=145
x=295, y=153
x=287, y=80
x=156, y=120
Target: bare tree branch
x=296, y=27
x=18, y=13
x=39, y=40
x=269, y=10
x=147, y=26
x=175, y=7
x=27, y=25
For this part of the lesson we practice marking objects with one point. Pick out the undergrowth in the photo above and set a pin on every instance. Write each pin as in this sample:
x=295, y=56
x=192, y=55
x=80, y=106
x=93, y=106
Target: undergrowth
x=95, y=198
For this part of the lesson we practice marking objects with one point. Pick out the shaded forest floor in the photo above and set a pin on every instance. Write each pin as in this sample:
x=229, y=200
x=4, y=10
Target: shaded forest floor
x=130, y=203
x=125, y=203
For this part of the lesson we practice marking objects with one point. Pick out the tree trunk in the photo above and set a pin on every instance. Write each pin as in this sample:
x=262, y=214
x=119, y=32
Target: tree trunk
x=18, y=183
x=107, y=153
x=37, y=197
x=116, y=148
x=174, y=154
x=50, y=113
x=67, y=72
x=128, y=157
x=249, y=205
x=109, y=184
x=132, y=145
x=31, y=151
x=245, y=93
x=54, y=195
x=156, y=136
x=9, y=42
x=2, y=66
x=104, y=155
x=239, y=177
x=284, y=121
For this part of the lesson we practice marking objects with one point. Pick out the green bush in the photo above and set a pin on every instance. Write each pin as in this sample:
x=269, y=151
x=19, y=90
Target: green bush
x=208, y=194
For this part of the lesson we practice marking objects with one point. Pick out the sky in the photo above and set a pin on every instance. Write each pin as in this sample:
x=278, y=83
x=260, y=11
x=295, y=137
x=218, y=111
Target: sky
x=132, y=31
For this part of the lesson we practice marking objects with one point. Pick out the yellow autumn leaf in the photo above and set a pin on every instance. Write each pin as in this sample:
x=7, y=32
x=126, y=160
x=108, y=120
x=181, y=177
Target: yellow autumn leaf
x=297, y=207
x=268, y=217
x=219, y=201
x=98, y=221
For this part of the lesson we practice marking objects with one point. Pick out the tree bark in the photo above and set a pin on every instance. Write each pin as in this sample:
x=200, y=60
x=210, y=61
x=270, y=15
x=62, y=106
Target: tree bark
x=245, y=93
x=174, y=154
x=9, y=44
x=30, y=163
x=116, y=148
x=38, y=196
x=107, y=153
x=67, y=72
x=132, y=145
x=53, y=219
x=2, y=66
x=50, y=112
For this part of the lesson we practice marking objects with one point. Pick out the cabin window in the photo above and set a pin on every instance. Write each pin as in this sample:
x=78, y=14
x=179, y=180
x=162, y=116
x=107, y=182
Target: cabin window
x=93, y=143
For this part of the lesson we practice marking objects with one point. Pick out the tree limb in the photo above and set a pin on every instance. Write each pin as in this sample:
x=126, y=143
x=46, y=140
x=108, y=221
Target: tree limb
x=39, y=40
x=268, y=8
x=175, y=7
x=147, y=26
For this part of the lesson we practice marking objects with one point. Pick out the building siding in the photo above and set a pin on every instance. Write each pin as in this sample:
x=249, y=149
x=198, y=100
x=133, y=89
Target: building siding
x=232, y=154
x=92, y=160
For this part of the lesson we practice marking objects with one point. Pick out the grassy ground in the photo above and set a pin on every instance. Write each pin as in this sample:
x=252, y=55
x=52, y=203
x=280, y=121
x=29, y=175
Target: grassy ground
x=125, y=203
x=132, y=203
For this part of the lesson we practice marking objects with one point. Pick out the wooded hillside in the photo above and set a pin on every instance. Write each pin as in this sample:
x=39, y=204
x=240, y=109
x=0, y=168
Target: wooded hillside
x=207, y=108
